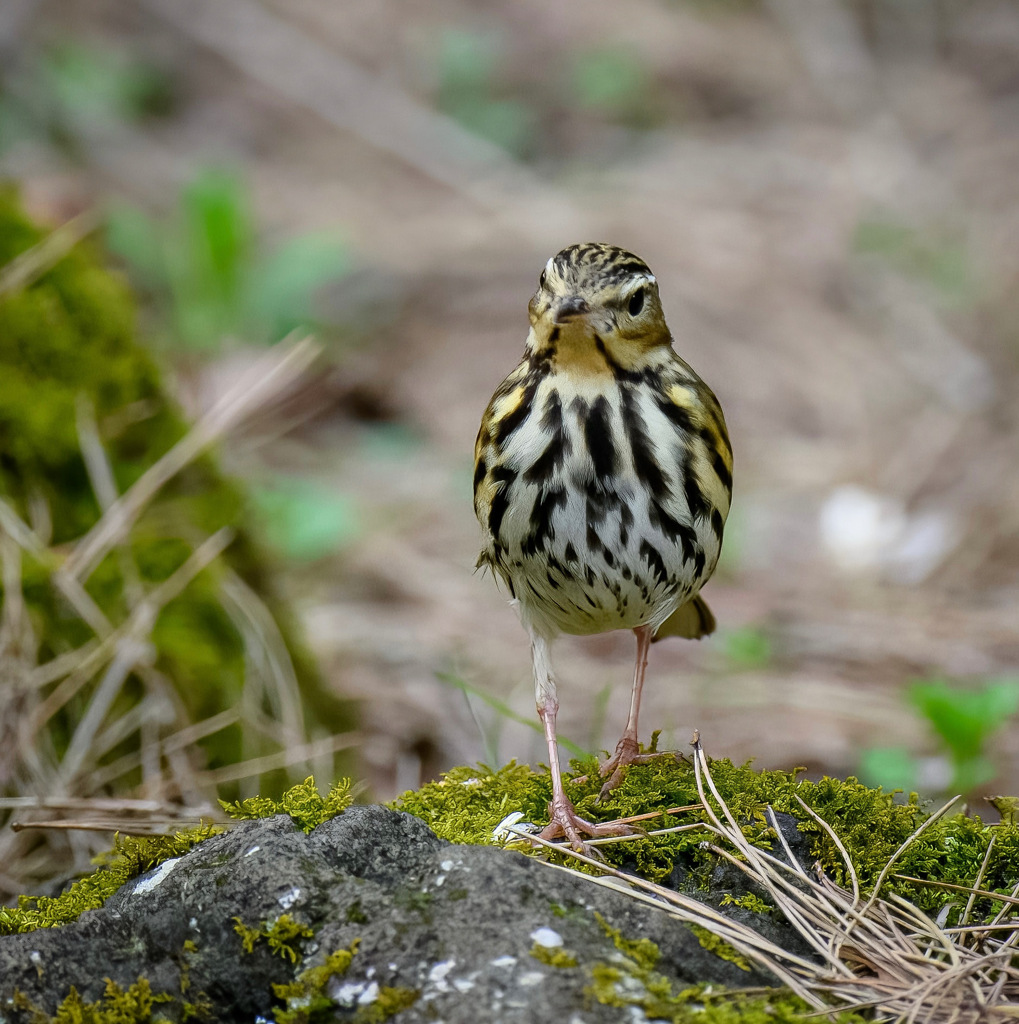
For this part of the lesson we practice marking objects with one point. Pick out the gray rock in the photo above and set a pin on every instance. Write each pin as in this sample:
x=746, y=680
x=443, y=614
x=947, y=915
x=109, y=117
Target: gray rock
x=457, y=924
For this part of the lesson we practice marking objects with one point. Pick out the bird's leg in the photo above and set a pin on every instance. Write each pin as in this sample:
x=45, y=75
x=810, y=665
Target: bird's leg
x=627, y=749
x=564, y=818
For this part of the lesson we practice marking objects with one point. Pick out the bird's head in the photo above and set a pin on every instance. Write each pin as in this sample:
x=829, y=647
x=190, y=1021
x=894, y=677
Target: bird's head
x=594, y=299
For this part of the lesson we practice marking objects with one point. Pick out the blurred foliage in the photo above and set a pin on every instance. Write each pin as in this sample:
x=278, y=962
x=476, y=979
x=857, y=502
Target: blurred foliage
x=88, y=80
x=68, y=336
x=304, y=520
x=207, y=275
x=607, y=83
x=75, y=86
x=502, y=713
x=964, y=721
x=747, y=648
x=940, y=262
x=612, y=82
x=468, y=90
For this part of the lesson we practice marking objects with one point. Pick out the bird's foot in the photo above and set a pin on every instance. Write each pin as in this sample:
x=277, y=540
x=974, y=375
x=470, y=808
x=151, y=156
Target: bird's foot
x=567, y=824
x=627, y=753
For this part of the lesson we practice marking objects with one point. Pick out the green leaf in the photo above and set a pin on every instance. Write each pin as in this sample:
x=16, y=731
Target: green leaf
x=609, y=81
x=304, y=520
x=965, y=719
x=281, y=290
x=137, y=240
x=971, y=773
x=890, y=768
x=748, y=647
x=219, y=230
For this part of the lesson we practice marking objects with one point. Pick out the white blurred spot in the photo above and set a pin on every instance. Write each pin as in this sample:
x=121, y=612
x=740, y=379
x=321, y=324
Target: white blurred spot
x=865, y=531
x=288, y=899
x=546, y=937
x=369, y=995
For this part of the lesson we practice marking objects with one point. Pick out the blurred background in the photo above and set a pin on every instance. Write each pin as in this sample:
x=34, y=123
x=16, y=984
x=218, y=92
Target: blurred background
x=827, y=193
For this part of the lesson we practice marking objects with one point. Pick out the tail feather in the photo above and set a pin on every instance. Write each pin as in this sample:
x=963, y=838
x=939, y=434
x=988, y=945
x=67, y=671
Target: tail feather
x=692, y=620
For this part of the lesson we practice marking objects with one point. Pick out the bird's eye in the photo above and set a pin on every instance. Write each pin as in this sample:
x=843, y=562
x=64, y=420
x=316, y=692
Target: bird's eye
x=636, y=303
x=541, y=280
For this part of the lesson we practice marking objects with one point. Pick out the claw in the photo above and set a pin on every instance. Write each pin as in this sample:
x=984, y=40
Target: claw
x=627, y=753
x=567, y=824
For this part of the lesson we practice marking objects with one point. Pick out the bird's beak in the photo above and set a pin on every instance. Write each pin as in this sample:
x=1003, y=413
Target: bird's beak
x=570, y=308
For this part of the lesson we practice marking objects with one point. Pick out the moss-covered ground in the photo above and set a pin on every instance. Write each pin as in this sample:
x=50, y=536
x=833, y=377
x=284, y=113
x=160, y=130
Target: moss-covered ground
x=467, y=804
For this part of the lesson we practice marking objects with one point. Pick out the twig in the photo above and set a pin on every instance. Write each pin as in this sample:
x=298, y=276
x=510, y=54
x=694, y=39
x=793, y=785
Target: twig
x=885, y=954
x=152, y=827
x=282, y=759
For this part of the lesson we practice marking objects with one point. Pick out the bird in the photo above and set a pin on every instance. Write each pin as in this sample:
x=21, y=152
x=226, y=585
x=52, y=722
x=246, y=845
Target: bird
x=602, y=483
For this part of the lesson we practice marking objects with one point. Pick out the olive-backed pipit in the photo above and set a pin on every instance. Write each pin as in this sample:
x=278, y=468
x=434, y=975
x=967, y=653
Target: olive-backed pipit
x=602, y=480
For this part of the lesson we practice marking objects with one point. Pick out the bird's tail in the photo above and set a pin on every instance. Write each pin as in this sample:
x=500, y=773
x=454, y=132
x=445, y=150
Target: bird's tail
x=691, y=620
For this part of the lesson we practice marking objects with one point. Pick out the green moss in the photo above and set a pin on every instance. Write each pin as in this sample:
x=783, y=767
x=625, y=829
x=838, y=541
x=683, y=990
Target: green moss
x=748, y=901
x=468, y=803
x=133, y=1005
x=355, y=913
x=280, y=935
x=302, y=802
x=305, y=996
x=307, y=1002
x=553, y=957
x=643, y=953
x=131, y=856
x=719, y=947
x=631, y=982
x=389, y=1002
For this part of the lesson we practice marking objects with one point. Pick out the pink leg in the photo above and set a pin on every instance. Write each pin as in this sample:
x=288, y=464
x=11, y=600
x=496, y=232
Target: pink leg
x=627, y=748
x=564, y=818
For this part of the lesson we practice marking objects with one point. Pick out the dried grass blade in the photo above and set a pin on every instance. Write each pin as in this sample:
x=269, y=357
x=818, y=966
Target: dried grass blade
x=266, y=379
